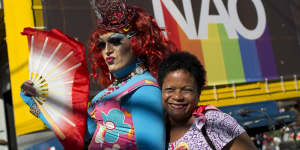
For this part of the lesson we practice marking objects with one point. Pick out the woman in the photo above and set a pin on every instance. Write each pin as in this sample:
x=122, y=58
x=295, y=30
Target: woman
x=124, y=52
x=181, y=78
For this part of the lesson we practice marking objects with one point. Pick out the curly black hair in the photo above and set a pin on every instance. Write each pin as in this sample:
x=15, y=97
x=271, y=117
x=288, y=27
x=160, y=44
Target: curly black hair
x=185, y=61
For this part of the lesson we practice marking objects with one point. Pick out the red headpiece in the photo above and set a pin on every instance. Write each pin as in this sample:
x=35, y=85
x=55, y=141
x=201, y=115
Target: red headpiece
x=113, y=14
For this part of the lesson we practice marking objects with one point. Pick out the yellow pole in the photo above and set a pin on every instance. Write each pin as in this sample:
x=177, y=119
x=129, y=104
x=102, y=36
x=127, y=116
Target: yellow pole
x=18, y=14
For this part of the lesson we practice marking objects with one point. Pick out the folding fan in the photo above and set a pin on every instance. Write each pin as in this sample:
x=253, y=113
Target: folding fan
x=57, y=67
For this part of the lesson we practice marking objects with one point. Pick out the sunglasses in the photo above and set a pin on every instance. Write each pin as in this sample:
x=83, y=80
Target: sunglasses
x=115, y=40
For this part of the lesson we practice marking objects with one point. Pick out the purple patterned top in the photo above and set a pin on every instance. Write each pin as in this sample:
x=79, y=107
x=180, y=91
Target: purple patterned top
x=221, y=128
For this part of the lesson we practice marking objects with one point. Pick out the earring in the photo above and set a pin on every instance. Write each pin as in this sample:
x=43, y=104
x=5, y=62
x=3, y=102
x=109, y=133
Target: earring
x=140, y=68
x=130, y=34
x=109, y=75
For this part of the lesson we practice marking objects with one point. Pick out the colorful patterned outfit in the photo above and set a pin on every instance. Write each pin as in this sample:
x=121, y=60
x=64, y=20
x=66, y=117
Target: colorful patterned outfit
x=128, y=115
x=221, y=128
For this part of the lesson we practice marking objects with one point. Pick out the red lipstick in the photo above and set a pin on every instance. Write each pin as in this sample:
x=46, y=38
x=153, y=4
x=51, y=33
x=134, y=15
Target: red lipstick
x=110, y=59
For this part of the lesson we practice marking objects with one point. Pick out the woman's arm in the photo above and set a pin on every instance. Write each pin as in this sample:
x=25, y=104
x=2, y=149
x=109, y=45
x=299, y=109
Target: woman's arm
x=227, y=129
x=226, y=133
x=148, y=118
x=242, y=142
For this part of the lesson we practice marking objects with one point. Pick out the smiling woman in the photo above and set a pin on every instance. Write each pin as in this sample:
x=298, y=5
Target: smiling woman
x=180, y=95
x=181, y=78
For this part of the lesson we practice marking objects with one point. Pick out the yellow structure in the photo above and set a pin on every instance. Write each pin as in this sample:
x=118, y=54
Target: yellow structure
x=18, y=15
x=231, y=94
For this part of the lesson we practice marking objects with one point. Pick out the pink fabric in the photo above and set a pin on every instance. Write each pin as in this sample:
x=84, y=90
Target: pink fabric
x=120, y=130
x=115, y=129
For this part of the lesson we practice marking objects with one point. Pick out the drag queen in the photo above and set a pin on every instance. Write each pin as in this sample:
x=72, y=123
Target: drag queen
x=125, y=49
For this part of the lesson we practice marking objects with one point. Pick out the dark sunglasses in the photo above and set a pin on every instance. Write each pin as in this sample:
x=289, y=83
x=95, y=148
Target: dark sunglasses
x=115, y=40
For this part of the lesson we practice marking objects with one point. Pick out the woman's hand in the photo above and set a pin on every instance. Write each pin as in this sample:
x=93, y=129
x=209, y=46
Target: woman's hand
x=28, y=89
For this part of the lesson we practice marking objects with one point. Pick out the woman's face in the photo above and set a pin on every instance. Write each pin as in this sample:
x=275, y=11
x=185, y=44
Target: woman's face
x=116, y=51
x=179, y=95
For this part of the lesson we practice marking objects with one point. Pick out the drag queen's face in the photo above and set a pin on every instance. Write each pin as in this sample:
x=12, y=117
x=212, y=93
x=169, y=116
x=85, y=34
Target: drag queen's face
x=116, y=51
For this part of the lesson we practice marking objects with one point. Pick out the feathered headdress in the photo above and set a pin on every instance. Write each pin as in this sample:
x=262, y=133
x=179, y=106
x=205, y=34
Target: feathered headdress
x=113, y=14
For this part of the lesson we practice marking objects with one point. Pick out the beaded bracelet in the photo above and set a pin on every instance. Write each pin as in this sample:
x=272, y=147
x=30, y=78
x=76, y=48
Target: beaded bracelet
x=35, y=110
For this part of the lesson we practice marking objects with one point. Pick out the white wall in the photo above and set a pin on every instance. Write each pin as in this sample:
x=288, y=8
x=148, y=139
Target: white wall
x=3, y=86
x=3, y=131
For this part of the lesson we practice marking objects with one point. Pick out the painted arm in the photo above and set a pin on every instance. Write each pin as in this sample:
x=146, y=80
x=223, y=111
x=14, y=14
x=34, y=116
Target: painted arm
x=91, y=128
x=148, y=118
x=29, y=101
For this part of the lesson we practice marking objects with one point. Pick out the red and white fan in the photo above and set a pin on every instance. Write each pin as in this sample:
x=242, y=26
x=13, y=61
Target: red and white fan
x=58, y=69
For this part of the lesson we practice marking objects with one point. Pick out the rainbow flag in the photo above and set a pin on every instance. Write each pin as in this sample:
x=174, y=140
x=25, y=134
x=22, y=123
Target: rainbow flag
x=269, y=54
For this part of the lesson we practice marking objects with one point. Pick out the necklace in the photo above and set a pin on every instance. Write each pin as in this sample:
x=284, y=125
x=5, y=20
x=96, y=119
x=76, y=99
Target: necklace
x=140, y=69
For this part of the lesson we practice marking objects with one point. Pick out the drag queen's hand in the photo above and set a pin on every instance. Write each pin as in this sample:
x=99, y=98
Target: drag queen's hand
x=27, y=92
x=28, y=89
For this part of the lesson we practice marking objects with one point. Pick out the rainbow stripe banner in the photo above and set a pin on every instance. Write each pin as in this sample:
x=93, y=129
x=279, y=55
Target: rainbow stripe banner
x=238, y=41
x=227, y=60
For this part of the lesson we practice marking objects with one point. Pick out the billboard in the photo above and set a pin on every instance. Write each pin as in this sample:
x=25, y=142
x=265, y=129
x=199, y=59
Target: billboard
x=237, y=41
